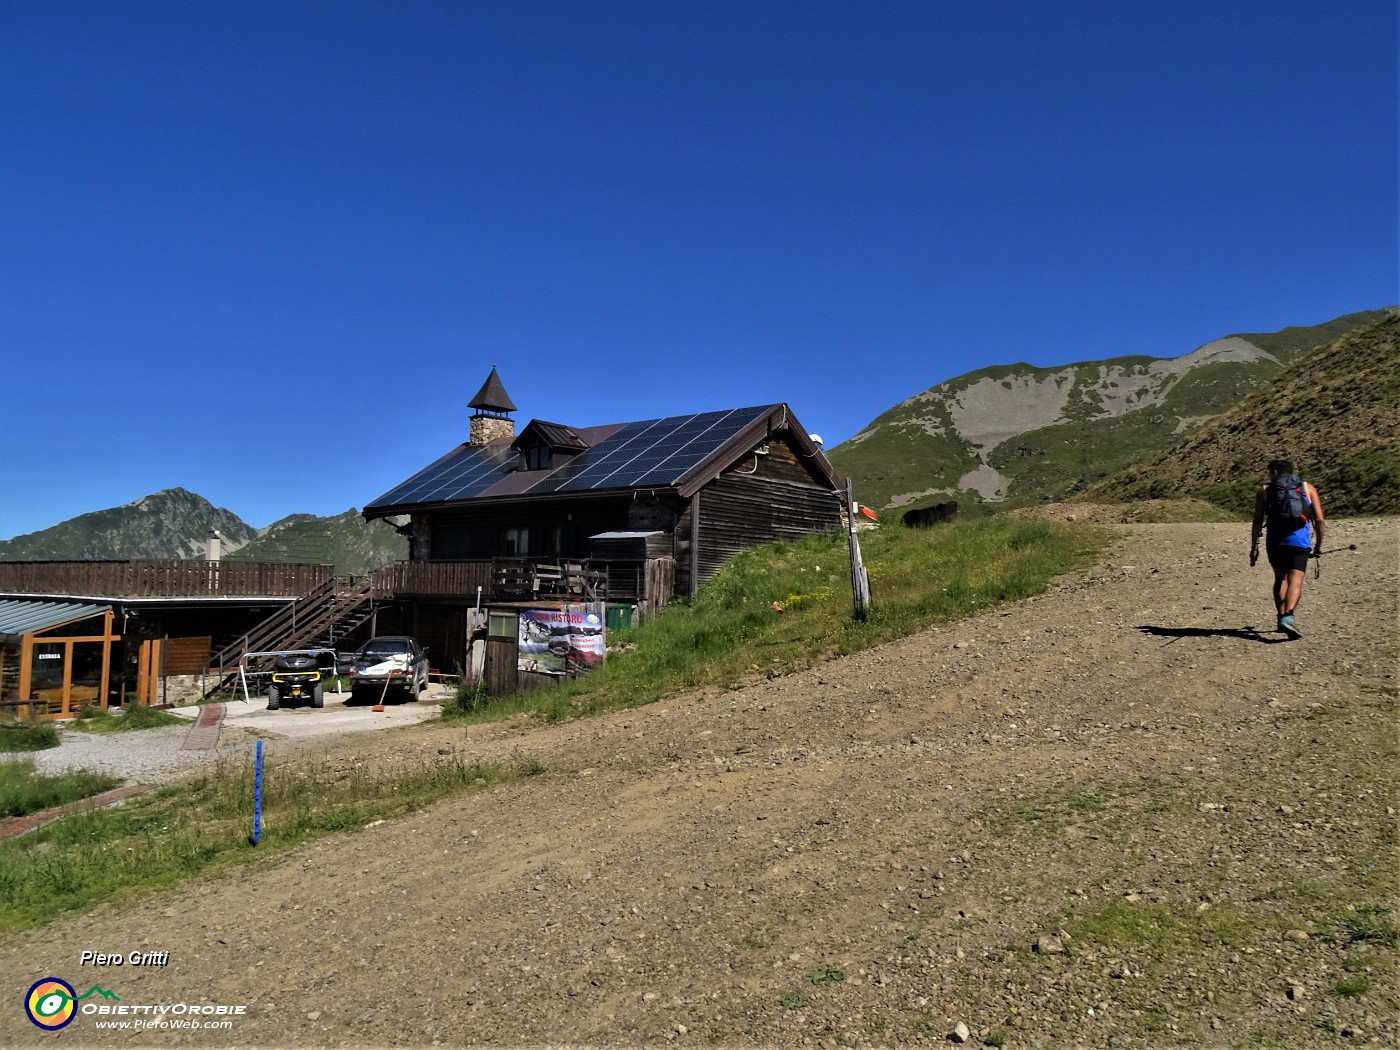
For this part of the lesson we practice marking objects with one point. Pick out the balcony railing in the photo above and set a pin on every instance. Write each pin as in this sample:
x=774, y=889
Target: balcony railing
x=648, y=582
x=162, y=579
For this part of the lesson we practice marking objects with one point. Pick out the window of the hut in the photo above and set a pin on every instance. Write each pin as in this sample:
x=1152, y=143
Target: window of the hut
x=517, y=542
x=536, y=457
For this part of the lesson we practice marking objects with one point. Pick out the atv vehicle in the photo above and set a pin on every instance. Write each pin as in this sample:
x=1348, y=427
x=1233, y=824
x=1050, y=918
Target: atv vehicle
x=297, y=676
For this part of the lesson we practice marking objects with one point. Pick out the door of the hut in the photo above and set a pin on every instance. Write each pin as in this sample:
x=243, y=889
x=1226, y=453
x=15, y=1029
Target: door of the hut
x=502, y=651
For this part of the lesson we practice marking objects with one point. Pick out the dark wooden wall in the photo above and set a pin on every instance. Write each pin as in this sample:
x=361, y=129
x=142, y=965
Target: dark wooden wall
x=738, y=513
x=465, y=535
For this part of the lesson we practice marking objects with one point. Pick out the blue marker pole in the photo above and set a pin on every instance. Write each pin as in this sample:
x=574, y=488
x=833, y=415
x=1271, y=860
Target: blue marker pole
x=257, y=797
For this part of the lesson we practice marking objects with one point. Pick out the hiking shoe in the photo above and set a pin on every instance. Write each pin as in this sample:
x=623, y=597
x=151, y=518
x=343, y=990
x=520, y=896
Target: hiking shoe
x=1288, y=627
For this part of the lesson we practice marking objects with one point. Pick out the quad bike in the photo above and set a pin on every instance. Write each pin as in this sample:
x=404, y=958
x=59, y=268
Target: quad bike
x=296, y=676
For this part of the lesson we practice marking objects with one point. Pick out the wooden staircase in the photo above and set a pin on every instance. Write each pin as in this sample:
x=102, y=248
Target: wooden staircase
x=317, y=620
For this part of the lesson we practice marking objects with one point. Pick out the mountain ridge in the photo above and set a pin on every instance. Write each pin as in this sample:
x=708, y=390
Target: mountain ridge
x=1014, y=435
x=174, y=524
x=1335, y=413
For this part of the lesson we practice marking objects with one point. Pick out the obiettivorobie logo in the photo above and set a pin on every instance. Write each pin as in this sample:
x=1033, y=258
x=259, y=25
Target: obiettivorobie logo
x=52, y=1003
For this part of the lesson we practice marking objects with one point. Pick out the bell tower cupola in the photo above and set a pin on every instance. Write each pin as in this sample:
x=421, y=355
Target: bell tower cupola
x=491, y=416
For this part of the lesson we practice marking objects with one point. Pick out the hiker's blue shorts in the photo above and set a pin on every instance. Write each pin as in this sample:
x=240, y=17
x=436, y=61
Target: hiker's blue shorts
x=1285, y=558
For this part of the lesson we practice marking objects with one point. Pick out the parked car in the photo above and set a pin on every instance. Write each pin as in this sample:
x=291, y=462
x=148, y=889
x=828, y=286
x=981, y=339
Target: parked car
x=393, y=663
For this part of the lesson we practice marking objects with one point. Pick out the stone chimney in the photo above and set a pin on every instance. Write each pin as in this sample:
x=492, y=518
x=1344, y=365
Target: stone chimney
x=213, y=546
x=492, y=404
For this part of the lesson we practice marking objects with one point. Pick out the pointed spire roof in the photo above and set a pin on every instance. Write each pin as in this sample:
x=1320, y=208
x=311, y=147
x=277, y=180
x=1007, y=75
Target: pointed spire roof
x=492, y=396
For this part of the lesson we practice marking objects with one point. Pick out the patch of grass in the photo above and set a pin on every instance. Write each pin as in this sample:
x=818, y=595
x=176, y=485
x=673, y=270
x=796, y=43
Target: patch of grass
x=1049, y=816
x=160, y=838
x=795, y=1002
x=22, y=791
x=468, y=698
x=131, y=718
x=27, y=736
x=1161, y=931
x=828, y=975
x=1352, y=987
x=1371, y=923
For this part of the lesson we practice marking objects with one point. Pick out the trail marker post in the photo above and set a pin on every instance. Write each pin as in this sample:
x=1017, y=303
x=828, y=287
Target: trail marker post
x=257, y=795
x=860, y=581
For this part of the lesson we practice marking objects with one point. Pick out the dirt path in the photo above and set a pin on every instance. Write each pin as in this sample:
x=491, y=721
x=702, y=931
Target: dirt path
x=1114, y=816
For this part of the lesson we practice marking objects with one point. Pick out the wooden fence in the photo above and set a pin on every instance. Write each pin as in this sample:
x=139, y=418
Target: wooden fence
x=161, y=579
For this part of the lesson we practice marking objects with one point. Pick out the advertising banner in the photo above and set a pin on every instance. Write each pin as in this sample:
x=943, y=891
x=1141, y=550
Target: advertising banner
x=561, y=641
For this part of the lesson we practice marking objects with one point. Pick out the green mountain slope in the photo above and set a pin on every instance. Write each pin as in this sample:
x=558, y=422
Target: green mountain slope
x=352, y=544
x=172, y=523
x=175, y=523
x=1335, y=413
x=1014, y=435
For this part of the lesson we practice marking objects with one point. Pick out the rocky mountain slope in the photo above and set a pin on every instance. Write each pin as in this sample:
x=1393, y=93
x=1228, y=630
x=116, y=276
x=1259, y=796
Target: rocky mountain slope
x=1015, y=435
x=1335, y=413
x=174, y=523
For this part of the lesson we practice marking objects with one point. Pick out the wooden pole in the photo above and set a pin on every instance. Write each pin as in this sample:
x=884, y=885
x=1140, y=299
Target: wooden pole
x=860, y=581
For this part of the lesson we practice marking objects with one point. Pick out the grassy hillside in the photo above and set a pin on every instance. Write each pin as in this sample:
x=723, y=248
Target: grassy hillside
x=346, y=540
x=1335, y=413
x=1290, y=344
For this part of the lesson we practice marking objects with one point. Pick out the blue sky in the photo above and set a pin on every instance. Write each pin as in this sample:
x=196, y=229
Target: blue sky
x=268, y=251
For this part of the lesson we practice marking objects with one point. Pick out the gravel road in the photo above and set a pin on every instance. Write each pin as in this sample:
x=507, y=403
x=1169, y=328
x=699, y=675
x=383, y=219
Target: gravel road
x=1125, y=814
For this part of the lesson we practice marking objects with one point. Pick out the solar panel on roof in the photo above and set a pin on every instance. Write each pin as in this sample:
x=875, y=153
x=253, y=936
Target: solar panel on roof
x=661, y=450
x=647, y=453
x=462, y=475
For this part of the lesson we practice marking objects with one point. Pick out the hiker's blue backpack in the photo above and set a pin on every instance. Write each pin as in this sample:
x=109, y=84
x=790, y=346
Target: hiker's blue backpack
x=1286, y=504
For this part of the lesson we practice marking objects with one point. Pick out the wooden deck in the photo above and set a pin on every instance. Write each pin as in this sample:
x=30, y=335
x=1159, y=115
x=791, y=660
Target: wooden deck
x=162, y=579
x=649, y=583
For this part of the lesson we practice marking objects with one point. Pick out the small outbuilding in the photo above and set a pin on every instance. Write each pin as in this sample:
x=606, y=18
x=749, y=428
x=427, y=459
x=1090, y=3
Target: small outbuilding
x=55, y=657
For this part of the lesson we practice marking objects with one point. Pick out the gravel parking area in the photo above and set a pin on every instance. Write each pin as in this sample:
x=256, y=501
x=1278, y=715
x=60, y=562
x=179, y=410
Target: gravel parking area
x=158, y=756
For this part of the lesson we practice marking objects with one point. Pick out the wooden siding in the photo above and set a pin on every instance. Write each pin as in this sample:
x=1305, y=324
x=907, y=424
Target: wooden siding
x=781, y=463
x=739, y=512
x=161, y=579
x=557, y=529
x=186, y=655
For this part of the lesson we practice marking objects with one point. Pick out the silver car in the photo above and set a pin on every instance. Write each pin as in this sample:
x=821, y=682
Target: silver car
x=391, y=664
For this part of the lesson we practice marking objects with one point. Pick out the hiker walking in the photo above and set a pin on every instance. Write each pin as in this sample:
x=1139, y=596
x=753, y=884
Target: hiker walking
x=1288, y=513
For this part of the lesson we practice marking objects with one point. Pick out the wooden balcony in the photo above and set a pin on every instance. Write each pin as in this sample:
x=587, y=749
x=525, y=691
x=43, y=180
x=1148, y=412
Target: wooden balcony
x=162, y=579
x=648, y=583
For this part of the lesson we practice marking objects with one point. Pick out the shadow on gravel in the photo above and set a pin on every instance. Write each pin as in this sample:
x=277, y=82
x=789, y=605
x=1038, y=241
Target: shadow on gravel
x=1248, y=634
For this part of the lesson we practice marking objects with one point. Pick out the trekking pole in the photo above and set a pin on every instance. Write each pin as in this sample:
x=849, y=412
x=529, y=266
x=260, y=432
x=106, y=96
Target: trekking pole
x=1317, y=568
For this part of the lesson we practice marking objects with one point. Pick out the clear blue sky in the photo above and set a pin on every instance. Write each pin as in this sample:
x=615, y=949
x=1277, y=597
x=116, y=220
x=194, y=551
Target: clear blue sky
x=268, y=251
